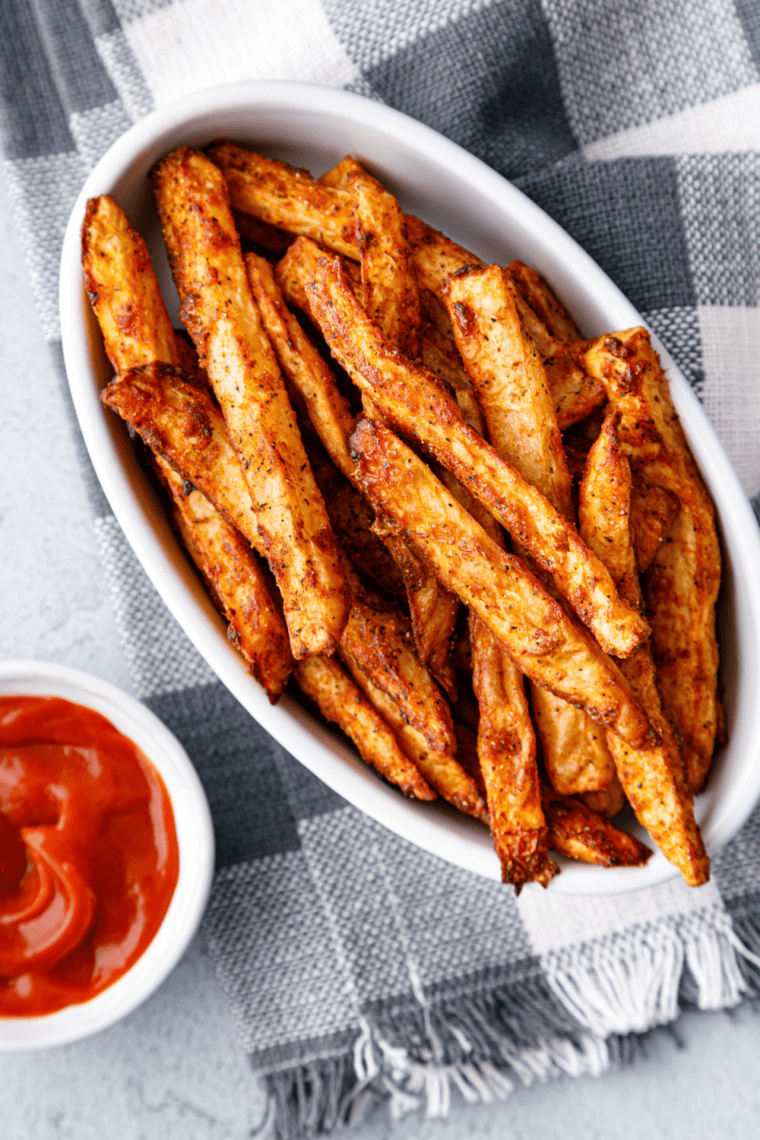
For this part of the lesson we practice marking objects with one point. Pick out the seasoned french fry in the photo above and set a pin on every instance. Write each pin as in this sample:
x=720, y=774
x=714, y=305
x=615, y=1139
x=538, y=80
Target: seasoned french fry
x=652, y=776
x=379, y=643
x=257, y=628
x=441, y=769
x=579, y=833
x=608, y=801
x=137, y=332
x=286, y=197
x=433, y=609
x=653, y=511
x=337, y=176
x=306, y=369
x=507, y=755
x=544, y=303
x=220, y=314
x=123, y=289
x=683, y=579
x=509, y=379
x=180, y=423
x=391, y=297
x=416, y=403
x=340, y=701
x=548, y=647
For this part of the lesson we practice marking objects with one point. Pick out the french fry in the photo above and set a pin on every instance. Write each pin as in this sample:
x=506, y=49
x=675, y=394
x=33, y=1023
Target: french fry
x=509, y=379
x=507, y=756
x=286, y=197
x=433, y=610
x=579, y=833
x=123, y=289
x=416, y=403
x=217, y=307
x=652, y=776
x=441, y=769
x=505, y=741
x=340, y=701
x=539, y=636
x=256, y=626
x=543, y=301
x=179, y=422
x=379, y=643
x=653, y=512
x=303, y=365
x=511, y=387
x=391, y=297
x=608, y=801
x=683, y=579
x=137, y=332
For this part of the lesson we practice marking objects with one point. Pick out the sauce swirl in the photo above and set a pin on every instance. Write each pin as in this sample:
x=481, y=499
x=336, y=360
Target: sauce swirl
x=88, y=854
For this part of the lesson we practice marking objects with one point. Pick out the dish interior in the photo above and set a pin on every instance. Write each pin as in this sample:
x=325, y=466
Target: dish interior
x=314, y=128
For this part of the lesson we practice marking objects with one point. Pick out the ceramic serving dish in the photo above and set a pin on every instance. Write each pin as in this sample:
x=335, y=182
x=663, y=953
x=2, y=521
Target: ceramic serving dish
x=195, y=838
x=314, y=127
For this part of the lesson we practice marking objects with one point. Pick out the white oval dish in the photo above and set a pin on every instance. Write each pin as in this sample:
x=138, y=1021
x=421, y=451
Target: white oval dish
x=434, y=178
x=195, y=838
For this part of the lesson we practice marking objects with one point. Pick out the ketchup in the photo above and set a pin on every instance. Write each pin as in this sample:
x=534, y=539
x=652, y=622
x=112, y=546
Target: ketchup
x=88, y=854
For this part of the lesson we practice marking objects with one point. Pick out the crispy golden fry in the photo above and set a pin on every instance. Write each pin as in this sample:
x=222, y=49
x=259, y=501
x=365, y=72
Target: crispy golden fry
x=339, y=700
x=123, y=289
x=416, y=403
x=506, y=741
x=653, y=776
x=217, y=307
x=519, y=413
x=128, y=285
x=286, y=197
x=608, y=801
x=303, y=365
x=544, y=303
x=680, y=596
x=574, y=747
x=653, y=512
x=509, y=379
x=683, y=579
x=507, y=756
x=321, y=209
x=337, y=175
x=579, y=833
x=441, y=770
x=379, y=643
x=391, y=297
x=257, y=628
x=559, y=343
x=574, y=392
x=180, y=423
x=261, y=234
x=539, y=636
x=433, y=609
x=352, y=518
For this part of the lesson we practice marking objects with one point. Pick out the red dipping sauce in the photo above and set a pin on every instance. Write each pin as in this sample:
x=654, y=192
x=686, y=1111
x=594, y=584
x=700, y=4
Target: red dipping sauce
x=88, y=854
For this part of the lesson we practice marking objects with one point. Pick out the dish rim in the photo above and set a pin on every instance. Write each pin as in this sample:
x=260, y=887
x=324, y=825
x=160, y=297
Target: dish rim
x=195, y=838
x=583, y=286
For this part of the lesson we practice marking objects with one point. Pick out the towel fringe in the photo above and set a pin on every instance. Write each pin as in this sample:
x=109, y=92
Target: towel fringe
x=589, y=1011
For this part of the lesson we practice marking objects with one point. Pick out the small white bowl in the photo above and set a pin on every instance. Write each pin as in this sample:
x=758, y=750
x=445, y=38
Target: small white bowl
x=195, y=838
x=314, y=127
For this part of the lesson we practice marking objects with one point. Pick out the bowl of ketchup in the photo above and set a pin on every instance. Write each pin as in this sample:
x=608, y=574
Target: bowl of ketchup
x=106, y=854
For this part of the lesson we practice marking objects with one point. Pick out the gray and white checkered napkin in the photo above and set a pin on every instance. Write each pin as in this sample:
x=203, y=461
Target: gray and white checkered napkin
x=357, y=967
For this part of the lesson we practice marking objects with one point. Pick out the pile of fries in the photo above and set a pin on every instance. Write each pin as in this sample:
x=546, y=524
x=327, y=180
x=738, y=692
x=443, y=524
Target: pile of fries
x=477, y=542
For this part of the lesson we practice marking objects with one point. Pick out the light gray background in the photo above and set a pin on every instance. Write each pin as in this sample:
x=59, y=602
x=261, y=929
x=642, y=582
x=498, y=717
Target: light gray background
x=173, y=1070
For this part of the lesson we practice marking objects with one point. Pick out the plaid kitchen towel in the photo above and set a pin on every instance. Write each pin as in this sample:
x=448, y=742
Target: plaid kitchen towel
x=356, y=966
